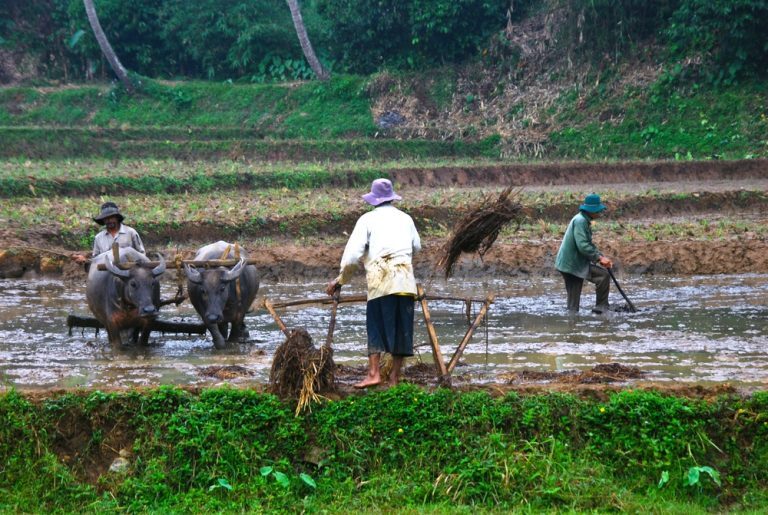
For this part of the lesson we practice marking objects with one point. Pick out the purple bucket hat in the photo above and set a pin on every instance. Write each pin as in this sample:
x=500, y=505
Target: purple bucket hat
x=381, y=191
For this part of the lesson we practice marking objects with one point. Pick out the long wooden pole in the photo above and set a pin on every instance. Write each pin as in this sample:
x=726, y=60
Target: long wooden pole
x=162, y=326
x=332, y=323
x=443, y=374
x=348, y=300
x=478, y=319
x=278, y=320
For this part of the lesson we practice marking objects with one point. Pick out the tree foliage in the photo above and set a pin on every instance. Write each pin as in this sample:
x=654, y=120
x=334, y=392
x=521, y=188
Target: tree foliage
x=729, y=33
x=254, y=40
x=368, y=34
x=600, y=29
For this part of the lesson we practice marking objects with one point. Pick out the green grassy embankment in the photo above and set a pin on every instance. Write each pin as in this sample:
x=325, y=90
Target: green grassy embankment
x=315, y=121
x=226, y=450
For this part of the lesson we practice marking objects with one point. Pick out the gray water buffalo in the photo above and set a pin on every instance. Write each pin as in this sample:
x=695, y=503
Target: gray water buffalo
x=222, y=296
x=124, y=299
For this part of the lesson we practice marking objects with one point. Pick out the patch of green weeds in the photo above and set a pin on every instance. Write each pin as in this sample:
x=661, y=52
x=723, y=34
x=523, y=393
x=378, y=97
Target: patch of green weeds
x=232, y=450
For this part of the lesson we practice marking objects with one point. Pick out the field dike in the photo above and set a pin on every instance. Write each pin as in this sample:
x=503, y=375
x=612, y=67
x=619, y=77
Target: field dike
x=226, y=449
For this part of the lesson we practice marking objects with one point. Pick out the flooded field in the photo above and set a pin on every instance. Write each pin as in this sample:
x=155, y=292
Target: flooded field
x=699, y=329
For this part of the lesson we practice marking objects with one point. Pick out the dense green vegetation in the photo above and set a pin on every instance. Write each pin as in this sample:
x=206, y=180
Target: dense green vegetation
x=255, y=41
x=317, y=122
x=232, y=450
x=665, y=122
x=698, y=92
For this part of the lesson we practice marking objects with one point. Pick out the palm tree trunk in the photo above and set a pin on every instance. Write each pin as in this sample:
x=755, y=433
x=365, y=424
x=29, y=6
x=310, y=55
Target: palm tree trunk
x=106, y=48
x=306, y=46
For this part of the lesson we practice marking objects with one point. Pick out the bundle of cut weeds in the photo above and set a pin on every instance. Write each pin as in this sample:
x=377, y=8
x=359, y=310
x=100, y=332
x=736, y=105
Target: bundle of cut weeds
x=477, y=231
x=301, y=371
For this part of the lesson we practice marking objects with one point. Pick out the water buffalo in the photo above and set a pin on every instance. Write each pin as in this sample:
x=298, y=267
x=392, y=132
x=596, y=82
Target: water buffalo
x=221, y=296
x=124, y=299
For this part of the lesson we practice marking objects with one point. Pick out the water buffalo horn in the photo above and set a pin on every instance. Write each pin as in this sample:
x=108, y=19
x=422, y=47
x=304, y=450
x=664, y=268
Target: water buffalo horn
x=233, y=274
x=116, y=271
x=159, y=269
x=192, y=274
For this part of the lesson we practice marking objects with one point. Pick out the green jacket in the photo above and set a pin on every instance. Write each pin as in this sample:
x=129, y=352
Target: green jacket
x=577, y=249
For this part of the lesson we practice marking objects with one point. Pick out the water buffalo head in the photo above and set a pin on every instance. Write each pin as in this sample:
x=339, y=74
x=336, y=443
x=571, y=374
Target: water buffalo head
x=140, y=286
x=214, y=288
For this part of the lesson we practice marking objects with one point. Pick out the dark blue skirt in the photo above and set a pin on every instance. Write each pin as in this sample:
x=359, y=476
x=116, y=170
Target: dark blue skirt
x=389, y=321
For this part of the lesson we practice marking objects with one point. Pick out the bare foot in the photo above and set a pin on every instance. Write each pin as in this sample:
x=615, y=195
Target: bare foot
x=367, y=382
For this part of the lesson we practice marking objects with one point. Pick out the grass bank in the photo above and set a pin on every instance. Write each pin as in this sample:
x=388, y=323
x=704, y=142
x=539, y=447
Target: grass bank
x=615, y=118
x=405, y=448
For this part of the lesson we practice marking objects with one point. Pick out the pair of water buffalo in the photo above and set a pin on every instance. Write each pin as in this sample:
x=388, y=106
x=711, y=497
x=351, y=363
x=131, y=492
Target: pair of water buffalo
x=126, y=301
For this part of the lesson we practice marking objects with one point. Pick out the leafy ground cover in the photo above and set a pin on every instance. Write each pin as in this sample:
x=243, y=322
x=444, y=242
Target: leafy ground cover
x=324, y=212
x=585, y=118
x=403, y=448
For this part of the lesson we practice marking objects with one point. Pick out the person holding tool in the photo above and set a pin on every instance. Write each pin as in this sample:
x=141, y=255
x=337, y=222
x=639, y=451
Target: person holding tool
x=579, y=259
x=385, y=239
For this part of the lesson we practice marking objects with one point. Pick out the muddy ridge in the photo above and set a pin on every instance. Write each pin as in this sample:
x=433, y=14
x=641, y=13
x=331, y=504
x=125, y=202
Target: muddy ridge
x=581, y=173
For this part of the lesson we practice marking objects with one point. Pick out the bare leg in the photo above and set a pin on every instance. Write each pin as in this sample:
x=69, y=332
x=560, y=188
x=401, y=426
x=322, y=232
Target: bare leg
x=394, y=374
x=373, y=377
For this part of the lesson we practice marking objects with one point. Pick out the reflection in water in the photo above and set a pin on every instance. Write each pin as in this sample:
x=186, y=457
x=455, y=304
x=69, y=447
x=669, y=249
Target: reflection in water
x=704, y=329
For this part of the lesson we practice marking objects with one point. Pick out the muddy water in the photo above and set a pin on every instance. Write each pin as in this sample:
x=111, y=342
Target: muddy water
x=701, y=329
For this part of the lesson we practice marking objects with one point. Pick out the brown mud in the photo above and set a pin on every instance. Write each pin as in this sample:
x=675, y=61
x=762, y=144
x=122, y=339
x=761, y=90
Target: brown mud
x=292, y=261
x=550, y=174
x=713, y=190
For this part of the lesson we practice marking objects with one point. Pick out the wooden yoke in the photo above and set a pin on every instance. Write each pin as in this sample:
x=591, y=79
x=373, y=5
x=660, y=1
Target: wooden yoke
x=173, y=264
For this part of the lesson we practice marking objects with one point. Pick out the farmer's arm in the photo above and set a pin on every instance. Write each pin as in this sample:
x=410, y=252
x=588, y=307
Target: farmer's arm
x=582, y=235
x=355, y=249
x=136, y=242
x=415, y=241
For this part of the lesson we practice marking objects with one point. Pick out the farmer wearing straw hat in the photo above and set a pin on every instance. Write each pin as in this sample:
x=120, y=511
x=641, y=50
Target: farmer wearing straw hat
x=385, y=239
x=578, y=254
x=114, y=231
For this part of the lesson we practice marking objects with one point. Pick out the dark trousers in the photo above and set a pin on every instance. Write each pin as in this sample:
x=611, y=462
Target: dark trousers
x=389, y=321
x=599, y=277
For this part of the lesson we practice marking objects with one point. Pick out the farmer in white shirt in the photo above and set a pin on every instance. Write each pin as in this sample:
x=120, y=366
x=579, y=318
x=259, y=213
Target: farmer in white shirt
x=114, y=231
x=385, y=239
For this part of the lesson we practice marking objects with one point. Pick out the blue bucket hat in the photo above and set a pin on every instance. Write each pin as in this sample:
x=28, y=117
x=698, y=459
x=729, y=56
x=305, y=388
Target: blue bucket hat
x=592, y=204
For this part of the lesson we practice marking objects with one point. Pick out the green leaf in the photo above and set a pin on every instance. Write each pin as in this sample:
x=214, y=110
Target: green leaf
x=715, y=475
x=265, y=471
x=664, y=478
x=282, y=479
x=693, y=476
x=221, y=483
x=75, y=38
x=308, y=480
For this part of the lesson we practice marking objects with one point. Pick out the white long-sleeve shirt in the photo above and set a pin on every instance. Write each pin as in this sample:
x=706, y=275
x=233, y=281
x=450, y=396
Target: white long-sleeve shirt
x=125, y=237
x=385, y=239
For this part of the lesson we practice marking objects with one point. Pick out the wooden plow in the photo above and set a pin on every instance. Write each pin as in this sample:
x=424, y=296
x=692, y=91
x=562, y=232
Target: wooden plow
x=442, y=369
x=160, y=326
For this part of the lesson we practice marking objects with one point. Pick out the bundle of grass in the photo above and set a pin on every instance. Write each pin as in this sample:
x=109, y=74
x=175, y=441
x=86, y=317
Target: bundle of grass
x=301, y=371
x=477, y=231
